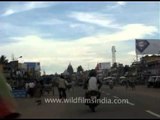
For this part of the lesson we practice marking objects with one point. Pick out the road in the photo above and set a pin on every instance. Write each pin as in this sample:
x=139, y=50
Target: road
x=143, y=104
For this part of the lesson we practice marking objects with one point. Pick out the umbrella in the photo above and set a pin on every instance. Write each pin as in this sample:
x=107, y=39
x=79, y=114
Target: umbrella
x=122, y=77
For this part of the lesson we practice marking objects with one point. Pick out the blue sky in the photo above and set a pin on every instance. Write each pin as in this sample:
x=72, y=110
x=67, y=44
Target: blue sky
x=56, y=33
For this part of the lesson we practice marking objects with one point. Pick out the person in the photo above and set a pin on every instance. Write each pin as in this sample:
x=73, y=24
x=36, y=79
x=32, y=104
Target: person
x=132, y=84
x=27, y=89
x=62, y=86
x=92, y=84
x=68, y=79
x=126, y=83
x=31, y=88
x=38, y=92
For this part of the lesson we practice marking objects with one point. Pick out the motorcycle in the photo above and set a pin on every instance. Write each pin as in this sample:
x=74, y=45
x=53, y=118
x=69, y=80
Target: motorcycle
x=92, y=99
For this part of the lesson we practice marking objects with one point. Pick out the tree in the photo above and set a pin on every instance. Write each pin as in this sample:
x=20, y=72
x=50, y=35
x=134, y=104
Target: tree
x=114, y=65
x=79, y=68
x=3, y=60
x=70, y=69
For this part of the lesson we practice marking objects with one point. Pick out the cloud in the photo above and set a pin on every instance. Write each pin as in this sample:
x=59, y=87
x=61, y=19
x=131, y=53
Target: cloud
x=127, y=32
x=25, y=6
x=9, y=12
x=121, y=3
x=102, y=20
x=118, y=4
x=132, y=31
x=55, y=56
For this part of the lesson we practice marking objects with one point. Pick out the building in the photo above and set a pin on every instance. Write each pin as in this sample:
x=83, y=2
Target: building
x=103, y=66
x=102, y=69
x=151, y=64
x=33, y=69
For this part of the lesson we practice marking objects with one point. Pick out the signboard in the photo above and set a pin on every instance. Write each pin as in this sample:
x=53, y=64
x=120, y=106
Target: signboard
x=19, y=93
x=147, y=46
x=33, y=65
x=103, y=66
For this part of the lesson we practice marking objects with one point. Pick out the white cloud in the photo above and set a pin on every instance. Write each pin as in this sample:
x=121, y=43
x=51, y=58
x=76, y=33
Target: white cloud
x=118, y=4
x=16, y=8
x=9, y=12
x=121, y=3
x=56, y=55
x=102, y=20
x=132, y=31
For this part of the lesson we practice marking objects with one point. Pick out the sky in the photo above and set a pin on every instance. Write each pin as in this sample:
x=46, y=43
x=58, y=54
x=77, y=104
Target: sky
x=81, y=33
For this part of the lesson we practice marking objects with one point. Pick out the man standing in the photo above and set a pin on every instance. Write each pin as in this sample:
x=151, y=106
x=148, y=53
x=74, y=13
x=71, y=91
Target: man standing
x=38, y=92
x=62, y=85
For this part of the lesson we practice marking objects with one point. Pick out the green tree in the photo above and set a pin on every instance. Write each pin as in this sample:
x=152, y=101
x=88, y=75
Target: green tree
x=3, y=60
x=70, y=69
x=79, y=68
x=114, y=65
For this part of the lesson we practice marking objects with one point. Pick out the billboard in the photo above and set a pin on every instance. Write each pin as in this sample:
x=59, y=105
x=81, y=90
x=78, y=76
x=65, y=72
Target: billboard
x=147, y=46
x=33, y=65
x=103, y=65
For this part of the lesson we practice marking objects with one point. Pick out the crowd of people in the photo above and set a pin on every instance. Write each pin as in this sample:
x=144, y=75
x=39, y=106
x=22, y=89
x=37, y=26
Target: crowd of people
x=37, y=88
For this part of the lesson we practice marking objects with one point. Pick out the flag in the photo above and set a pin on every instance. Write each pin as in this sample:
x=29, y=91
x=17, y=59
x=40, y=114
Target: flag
x=147, y=46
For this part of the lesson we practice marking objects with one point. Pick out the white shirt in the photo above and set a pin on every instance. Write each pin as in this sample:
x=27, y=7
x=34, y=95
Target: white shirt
x=92, y=84
x=62, y=83
x=31, y=85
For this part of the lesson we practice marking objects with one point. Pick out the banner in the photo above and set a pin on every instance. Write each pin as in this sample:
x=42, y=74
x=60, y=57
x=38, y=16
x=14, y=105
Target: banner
x=147, y=46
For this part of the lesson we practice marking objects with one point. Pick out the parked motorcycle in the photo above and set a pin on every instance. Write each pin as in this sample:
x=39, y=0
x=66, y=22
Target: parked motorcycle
x=92, y=99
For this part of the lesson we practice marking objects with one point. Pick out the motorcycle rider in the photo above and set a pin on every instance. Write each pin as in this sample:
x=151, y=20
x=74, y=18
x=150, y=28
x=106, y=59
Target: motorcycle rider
x=92, y=85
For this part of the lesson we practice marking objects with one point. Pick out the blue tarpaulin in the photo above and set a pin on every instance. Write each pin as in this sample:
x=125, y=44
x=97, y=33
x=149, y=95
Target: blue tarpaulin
x=19, y=93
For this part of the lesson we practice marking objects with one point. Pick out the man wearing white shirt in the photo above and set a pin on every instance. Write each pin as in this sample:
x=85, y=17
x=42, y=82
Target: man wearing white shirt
x=93, y=82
